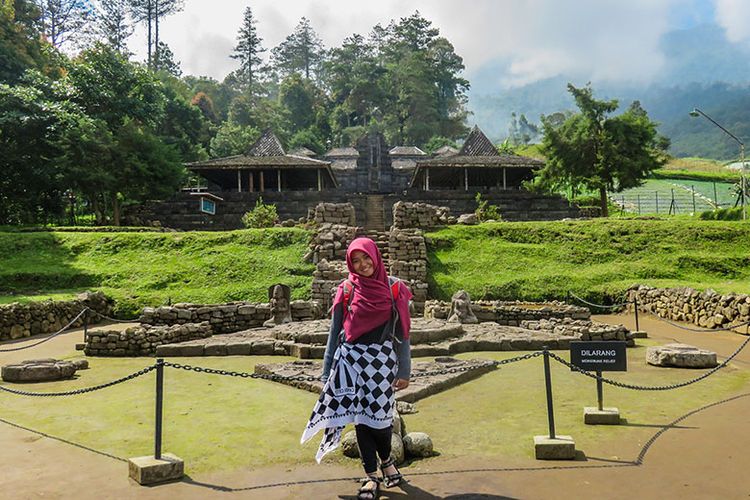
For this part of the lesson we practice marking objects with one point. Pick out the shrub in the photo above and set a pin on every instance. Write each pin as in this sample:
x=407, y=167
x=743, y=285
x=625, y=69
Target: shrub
x=261, y=216
x=723, y=214
x=485, y=211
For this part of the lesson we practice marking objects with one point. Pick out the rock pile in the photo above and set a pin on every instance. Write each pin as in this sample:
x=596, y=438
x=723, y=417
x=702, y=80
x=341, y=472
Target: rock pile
x=42, y=370
x=24, y=320
x=706, y=309
x=330, y=242
x=510, y=313
x=581, y=329
x=326, y=277
x=225, y=318
x=142, y=340
x=335, y=213
x=420, y=215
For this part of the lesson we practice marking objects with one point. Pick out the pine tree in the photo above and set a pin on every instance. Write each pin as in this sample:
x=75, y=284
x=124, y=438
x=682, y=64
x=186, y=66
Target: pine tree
x=302, y=51
x=248, y=48
x=164, y=60
x=113, y=23
x=149, y=12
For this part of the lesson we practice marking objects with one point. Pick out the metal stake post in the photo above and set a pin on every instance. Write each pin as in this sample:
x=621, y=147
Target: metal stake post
x=85, y=325
x=599, y=390
x=548, y=383
x=159, y=402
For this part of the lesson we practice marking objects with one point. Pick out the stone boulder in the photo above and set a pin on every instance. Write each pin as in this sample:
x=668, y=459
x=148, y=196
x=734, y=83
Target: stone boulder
x=418, y=444
x=41, y=370
x=349, y=445
x=397, y=449
x=680, y=356
x=469, y=219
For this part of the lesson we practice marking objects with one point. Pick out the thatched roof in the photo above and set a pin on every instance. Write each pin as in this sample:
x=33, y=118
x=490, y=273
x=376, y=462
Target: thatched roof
x=406, y=151
x=303, y=152
x=446, y=151
x=342, y=153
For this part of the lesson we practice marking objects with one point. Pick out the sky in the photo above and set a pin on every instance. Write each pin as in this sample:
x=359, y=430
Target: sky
x=523, y=41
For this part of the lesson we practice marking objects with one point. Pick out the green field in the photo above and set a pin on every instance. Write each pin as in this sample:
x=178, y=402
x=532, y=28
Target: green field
x=595, y=259
x=690, y=196
x=218, y=423
x=139, y=269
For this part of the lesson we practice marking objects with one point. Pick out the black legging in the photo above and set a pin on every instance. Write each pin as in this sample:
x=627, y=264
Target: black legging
x=373, y=442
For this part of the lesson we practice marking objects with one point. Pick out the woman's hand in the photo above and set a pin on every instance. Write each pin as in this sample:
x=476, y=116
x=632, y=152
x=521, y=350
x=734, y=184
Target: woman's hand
x=400, y=383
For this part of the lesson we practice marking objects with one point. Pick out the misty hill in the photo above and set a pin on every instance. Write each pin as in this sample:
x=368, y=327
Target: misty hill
x=702, y=70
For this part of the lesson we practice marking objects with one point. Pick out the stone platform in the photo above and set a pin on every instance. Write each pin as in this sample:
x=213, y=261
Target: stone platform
x=419, y=387
x=42, y=370
x=429, y=337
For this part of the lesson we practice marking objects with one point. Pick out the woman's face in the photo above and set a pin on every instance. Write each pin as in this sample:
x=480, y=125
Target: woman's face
x=362, y=264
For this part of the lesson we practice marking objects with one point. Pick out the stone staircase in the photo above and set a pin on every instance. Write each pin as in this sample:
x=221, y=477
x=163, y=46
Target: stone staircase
x=374, y=216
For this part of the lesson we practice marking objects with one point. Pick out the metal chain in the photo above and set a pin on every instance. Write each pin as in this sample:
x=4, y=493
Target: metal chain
x=111, y=319
x=84, y=390
x=263, y=376
x=465, y=368
x=702, y=330
x=47, y=338
x=652, y=387
x=612, y=306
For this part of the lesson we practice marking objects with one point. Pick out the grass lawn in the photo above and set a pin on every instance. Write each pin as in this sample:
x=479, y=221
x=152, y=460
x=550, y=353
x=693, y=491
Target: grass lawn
x=139, y=269
x=594, y=259
x=225, y=423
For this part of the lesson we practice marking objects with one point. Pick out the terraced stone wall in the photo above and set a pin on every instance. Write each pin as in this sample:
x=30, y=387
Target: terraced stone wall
x=226, y=318
x=511, y=313
x=36, y=318
x=706, y=309
x=142, y=340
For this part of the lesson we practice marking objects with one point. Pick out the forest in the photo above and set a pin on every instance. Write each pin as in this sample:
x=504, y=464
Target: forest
x=83, y=123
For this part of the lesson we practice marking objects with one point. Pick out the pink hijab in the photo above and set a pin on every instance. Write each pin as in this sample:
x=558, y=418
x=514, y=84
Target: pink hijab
x=370, y=305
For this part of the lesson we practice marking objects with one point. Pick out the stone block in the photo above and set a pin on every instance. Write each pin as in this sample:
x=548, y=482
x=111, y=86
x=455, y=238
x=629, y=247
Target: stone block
x=239, y=349
x=638, y=334
x=559, y=448
x=149, y=470
x=681, y=356
x=607, y=416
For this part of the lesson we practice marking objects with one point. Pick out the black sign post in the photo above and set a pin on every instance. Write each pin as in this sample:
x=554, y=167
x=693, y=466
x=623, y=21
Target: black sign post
x=599, y=356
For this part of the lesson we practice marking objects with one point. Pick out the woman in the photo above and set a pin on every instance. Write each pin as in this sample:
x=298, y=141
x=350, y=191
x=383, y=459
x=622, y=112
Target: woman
x=367, y=358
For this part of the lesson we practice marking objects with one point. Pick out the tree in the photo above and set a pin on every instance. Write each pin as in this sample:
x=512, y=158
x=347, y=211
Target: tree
x=113, y=23
x=302, y=51
x=21, y=47
x=62, y=19
x=248, y=48
x=528, y=130
x=233, y=139
x=302, y=99
x=164, y=61
x=600, y=152
x=150, y=12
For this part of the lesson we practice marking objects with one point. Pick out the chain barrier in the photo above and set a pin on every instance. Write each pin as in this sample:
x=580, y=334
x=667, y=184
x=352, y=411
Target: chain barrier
x=263, y=376
x=85, y=389
x=49, y=337
x=702, y=330
x=603, y=306
x=112, y=319
x=652, y=387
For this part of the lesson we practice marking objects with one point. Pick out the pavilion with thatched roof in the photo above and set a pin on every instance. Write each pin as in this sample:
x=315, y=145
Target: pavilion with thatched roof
x=477, y=166
x=266, y=167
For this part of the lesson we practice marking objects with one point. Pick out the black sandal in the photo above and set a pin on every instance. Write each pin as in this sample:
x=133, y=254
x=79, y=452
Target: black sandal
x=390, y=480
x=365, y=493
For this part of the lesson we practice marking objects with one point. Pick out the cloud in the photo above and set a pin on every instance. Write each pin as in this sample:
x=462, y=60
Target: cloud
x=597, y=39
x=734, y=17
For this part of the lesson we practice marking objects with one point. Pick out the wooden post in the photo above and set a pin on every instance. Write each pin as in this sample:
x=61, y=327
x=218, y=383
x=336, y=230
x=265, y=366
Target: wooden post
x=278, y=179
x=262, y=181
x=320, y=183
x=239, y=180
x=427, y=179
x=505, y=182
x=466, y=179
x=252, y=181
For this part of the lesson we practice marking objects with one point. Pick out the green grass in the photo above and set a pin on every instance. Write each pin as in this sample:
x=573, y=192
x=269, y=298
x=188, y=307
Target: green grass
x=655, y=196
x=139, y=269
x=218, y=423
x=595, y=259
x=699, y=169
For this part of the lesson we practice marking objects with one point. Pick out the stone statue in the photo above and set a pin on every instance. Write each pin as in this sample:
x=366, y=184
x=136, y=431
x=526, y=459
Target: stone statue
x=281, y=311
x=461, y=309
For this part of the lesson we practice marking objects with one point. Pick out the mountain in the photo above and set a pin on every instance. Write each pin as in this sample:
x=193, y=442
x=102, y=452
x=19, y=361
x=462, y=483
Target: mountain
x=702, y=70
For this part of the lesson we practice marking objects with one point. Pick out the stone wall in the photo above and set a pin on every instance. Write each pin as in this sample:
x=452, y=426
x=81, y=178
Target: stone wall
x=330, y=241
x=142, y=340
x=226, y=318
x=706, y=309
x=419, y=215
x=511, y=313
x=335, y=213
x=36, y=318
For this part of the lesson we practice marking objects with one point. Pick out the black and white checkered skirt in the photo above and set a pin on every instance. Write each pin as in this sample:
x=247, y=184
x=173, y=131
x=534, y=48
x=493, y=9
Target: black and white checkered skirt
x=359, y=390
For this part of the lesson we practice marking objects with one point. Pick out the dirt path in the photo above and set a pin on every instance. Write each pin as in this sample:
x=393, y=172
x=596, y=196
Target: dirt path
x=703, y=456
